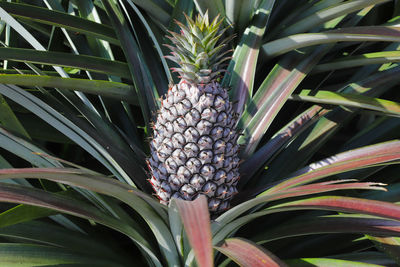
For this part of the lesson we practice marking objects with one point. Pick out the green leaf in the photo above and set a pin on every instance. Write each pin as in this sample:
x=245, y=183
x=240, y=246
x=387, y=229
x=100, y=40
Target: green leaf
x=271, y=96
x=153, y=38
x=325, y=262
x=49, y=234
x=157, y=8
x=26, y=255
x=350, y=100
x=213, y=8
x=23, y=213
x=327, y=14
x=360, y=60
x=389, y=245
x=176, y=226
x=224, y=224
x=355, y=34
x=312, y=139
x=247, y=253
x=152, y=212
x=60, y=19
x=145, y=88
x=90, y=63
x=243, y=64
x=119, y=91
x=25, y=150
x=40, y=198
x=9, y=120
x=256, y=161
x=68, y=128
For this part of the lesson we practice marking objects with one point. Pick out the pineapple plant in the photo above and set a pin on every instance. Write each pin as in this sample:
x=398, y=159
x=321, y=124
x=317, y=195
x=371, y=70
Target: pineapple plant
x=315, y=113
x=194, y=149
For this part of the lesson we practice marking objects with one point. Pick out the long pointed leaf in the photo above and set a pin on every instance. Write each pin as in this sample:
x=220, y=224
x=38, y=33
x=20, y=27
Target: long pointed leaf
x=346, y=161
x=355, y=61
x=288, y=132
x=196, y=221
x=115, y=90
x=243, y=64
x=40, y=255
x=332, y=224
x=327, y=14
x=40, y=198
x=151, y=211
x=60, y=19
x=65, y=126
x=90, y=63
x=272, y=95
x=350, y=100
x=247, y=253
x=343, y=204
x=356, y=34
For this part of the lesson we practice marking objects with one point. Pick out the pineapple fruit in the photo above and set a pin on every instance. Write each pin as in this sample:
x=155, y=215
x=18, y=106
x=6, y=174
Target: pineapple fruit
x=194, y=148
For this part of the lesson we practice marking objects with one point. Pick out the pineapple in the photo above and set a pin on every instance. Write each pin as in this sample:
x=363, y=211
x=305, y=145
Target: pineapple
x=194, y=148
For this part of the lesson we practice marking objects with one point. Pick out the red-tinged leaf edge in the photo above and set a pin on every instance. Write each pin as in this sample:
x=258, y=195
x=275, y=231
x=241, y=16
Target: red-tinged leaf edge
x=343, y=162
x=343, y=204
x=247, y=253
x=329, y=186
x=331, y=224
x=196, y=221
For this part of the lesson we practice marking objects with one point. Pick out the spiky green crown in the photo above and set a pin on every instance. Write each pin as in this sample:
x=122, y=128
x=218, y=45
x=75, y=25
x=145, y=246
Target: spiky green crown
x=198, y=50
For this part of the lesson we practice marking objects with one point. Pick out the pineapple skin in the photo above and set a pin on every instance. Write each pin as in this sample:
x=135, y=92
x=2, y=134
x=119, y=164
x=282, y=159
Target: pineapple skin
x=194, y=149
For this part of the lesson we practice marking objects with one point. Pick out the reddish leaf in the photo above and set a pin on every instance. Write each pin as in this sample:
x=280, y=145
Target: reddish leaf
x=247, y=253
x=346, y=161
x=344, y=204
x=196, y=221
x=305, y=190
x=331, y=224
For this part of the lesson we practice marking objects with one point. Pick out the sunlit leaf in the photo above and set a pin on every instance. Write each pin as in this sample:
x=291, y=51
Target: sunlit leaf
x=196, y=221
x=356, y=34
x=247, y=253
x=41, y=255
x=115, y=90
x=350, y=100
x=355, y=61
x=243, y=64
x=346, y=161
